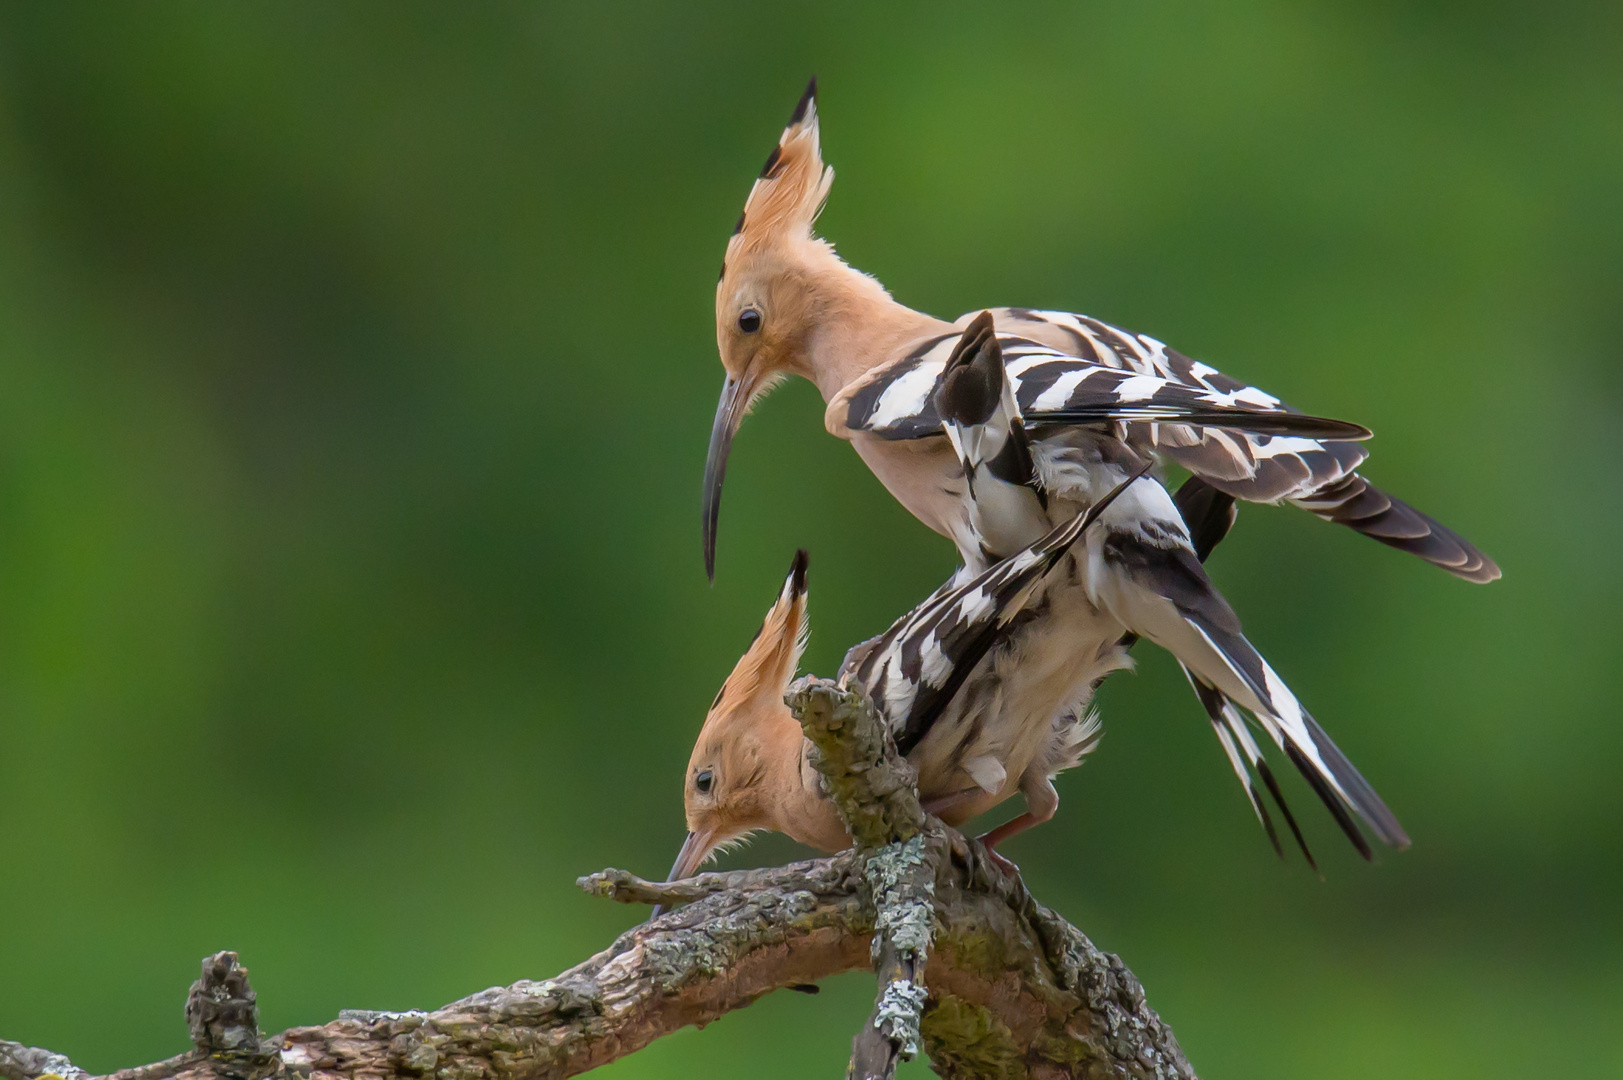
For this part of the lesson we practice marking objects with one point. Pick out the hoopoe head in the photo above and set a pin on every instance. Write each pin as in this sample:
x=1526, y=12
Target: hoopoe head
x=745, y=766
x=780, y=283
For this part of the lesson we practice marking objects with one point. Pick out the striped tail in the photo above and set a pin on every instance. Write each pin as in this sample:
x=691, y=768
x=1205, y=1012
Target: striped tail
x=1236, y=739
x=1164, y=594
x=1339, y=785
x=1209, y=514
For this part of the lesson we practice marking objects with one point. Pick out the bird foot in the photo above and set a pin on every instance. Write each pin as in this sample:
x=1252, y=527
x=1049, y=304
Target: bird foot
x=1003, y=862
x=990, y=840
x=988, y=845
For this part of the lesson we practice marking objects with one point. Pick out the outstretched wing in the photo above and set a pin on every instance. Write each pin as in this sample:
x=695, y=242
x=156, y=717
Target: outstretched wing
x=913, y=670
x=897, y=400
x=1314, y=472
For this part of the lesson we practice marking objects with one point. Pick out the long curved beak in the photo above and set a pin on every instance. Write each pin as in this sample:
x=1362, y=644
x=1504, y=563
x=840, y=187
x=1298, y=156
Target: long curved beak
x=695, y=850
x=729, y=414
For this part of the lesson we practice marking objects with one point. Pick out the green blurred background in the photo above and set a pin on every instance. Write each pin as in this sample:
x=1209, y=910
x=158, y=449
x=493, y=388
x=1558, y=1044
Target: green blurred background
x=356, y=368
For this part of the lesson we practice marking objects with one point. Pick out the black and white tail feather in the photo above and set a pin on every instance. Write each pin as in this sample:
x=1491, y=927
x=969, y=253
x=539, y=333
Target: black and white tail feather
x=1163, y=593
x=1209, y=514
x=1314, y=472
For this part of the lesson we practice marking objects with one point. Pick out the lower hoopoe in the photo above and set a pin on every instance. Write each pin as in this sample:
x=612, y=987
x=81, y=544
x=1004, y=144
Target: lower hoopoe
x=969, y=683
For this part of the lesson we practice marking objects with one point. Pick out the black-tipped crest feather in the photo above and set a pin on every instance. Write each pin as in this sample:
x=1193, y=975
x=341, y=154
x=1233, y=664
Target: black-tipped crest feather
x=805, y=102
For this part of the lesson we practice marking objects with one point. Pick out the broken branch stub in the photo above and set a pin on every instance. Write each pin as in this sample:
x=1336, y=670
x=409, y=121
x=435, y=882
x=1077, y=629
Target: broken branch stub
x=873, y=787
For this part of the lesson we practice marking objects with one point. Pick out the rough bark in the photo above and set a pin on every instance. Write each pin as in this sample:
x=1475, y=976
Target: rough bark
x=972, y=969
x=876, y=792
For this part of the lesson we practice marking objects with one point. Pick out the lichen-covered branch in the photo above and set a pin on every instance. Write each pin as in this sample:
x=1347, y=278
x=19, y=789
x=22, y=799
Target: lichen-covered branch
x=900, y=878
x=1010, y=989
x=875, y=790
x=876, y=793
x=19, y=1062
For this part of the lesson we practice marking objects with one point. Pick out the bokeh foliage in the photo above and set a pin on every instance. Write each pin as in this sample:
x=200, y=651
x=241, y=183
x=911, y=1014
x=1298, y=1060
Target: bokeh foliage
x=356, y=364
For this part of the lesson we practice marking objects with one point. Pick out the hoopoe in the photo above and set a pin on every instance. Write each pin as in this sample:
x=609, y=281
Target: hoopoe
x=972, y=683
x=1091, y=402
x=786, y=304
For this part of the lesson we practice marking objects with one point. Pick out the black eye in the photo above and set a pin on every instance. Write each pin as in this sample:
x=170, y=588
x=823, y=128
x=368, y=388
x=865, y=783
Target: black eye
x=749, y=320
x=703, y=781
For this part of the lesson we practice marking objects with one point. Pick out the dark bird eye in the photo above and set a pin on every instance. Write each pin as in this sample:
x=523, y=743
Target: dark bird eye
x=703, y=782
x=749, y=320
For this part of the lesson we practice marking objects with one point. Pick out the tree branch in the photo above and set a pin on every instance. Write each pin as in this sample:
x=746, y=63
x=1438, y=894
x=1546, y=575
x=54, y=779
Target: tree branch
x=876, y=792
x=989, y=982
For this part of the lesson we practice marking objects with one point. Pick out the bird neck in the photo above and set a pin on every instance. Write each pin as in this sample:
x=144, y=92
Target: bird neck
x=797, y=805
x=854, y=324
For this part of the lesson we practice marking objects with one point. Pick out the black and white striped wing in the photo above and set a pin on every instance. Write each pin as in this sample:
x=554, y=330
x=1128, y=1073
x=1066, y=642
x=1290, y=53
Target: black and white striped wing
x=1252, y=465
x=1316, y=474
x=1356, y=503
x=897, y=400
x=913, y=670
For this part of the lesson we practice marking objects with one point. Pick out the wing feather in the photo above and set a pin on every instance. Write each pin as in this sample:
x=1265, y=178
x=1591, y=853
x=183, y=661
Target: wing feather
x=953, y=629
x=897, y=401
x=1316, y=473
x=1360, y=505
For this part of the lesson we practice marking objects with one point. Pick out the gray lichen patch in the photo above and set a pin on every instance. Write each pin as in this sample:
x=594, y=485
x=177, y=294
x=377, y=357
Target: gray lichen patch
x=903, y=897
x=909, y=928
x=676, y=960
x=30, y=1061
x=399, y=1021
x=893, y=864
x=897, y=1015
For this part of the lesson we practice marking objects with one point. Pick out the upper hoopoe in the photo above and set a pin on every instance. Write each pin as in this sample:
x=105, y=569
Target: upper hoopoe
x=970, y=683
x=1097, y=400
x=786, y=304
